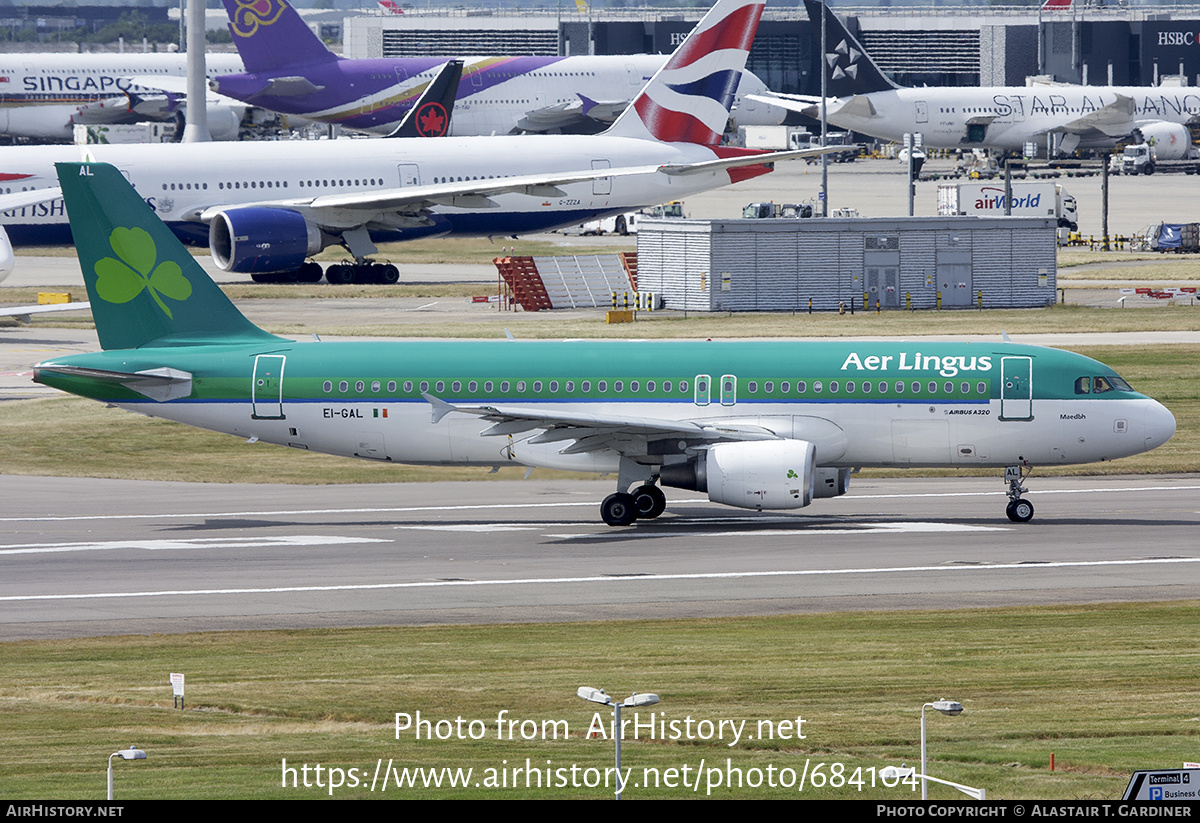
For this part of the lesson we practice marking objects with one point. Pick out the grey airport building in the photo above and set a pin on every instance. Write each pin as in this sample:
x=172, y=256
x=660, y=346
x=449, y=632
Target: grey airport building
x=958, y=45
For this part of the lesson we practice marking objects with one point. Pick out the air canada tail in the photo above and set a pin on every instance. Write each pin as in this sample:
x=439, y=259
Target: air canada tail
x=270, y=35
x=849, y=69
x=688, y=99
x=430, y=115
x=143, y=285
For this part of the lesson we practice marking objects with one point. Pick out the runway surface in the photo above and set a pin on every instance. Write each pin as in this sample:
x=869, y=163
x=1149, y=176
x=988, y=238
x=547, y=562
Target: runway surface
x=93, y=557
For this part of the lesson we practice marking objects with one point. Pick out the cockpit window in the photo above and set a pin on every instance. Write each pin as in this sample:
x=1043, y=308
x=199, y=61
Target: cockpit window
x=1101, y=385
x=1083, y=385
x=1119, y=384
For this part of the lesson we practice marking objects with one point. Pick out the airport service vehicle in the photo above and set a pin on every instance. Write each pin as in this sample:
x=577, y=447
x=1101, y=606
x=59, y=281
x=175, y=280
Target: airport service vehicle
x=627, y=223
x=864, y=100
x=1181, y=238
x=759, y=424
x=767, y=211
x=1030, y=198
x=266, y=207
x=1143, y=158
x=289, y=70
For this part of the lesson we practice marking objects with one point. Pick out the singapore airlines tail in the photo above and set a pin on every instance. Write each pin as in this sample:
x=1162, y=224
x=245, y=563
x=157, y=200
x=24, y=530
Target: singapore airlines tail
x=142, y=283
x=688, y=99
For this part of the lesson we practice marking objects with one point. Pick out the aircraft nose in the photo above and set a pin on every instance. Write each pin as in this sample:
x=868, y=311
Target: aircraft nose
x=1160, y=425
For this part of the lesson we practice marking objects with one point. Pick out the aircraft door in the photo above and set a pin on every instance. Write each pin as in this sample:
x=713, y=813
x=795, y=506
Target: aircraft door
x=703, y=389
x=410, y=174
x=602, y=185
x=922, y=112
x=1016, y=388
x=266, y=389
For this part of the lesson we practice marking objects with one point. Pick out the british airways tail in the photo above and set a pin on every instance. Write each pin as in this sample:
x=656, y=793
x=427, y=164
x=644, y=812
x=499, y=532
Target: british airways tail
x=142, y=283
x=688, y=99
x=270, y=35
x=849, y=69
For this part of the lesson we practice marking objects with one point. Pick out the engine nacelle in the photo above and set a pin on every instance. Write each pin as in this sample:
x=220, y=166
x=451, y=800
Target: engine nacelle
x=1171, y=141
x=224, y=122
x=764, y=474
x=831, y=482
x=262, y=239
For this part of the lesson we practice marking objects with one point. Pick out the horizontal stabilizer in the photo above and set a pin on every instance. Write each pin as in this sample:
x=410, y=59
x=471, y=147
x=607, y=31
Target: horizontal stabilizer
x=161, y=384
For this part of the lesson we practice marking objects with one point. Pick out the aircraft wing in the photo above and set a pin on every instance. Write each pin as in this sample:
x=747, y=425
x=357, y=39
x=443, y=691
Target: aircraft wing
x=478, y=193
x=1115, y=119
x=23, y=313
x=595, y=432
x=20, y=199
x=175, y=88
x=859, y=105
x=802, y=103
x=573, y=116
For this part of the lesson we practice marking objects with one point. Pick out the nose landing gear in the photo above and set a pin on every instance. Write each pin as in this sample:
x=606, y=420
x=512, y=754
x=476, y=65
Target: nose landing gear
x=1019, y=510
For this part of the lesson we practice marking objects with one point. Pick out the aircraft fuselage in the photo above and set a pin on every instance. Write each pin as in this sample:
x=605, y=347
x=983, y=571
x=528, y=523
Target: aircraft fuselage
x=1008, y=117
x=861, y=403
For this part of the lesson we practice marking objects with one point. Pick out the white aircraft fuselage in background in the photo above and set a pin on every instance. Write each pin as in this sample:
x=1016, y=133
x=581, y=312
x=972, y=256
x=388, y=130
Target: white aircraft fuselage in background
x=1007, y=117
x=41, y=95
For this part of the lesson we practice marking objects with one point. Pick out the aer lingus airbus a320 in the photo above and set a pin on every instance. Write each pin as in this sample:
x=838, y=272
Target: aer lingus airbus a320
x=765, y=424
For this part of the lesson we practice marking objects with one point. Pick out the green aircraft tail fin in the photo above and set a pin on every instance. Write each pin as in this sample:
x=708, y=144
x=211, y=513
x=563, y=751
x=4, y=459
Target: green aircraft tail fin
x=143, y=285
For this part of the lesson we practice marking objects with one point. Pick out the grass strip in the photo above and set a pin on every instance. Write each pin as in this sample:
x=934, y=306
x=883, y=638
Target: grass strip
x=1105, y=689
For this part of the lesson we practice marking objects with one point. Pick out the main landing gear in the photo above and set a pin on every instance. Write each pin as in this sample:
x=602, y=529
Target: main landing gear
x=1019, y=510
x=644, y=503
x=365, y=272
x=340, y=274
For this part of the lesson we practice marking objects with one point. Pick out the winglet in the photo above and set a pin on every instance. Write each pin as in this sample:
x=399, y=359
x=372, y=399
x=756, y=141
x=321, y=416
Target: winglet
x=430, y=115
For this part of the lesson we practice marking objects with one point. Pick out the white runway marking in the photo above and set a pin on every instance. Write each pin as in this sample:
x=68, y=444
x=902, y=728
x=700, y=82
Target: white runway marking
x=191, y=543
x=610, y=579
x=588, y=503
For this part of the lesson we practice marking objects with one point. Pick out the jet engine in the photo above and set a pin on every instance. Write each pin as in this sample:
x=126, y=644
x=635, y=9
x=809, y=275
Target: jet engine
x=831, y=482
x=262, y=239
x=1171, y=141
x=764, y=474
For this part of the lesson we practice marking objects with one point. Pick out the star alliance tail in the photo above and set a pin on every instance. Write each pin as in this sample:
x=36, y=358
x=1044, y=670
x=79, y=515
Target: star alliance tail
x=849, y=69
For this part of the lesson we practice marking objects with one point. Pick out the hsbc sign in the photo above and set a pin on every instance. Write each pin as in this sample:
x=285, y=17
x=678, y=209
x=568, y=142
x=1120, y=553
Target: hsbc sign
x=1178, y=38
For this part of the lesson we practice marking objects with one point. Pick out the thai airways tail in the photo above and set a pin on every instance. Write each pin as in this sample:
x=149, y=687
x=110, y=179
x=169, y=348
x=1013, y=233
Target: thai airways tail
x=270, y=34
x=849, y=69
x=688, y=99
x=143, y=284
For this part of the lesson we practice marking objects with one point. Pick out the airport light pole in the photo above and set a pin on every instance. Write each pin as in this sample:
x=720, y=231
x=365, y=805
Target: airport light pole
x=947, y=707
x=824, y=122
x=125, y=754
x=633, y=701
